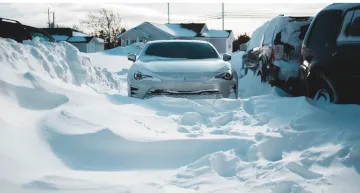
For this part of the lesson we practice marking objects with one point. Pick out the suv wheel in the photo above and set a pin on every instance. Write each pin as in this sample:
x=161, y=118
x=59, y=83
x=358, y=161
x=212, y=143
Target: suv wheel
x=322, y=91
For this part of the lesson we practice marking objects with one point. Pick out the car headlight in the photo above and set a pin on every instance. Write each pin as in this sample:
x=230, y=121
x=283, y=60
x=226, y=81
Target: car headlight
x=225, y=75
x=139, y=76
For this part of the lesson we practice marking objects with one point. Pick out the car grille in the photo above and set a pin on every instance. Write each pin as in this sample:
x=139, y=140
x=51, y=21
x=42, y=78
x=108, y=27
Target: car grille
x=188, y=95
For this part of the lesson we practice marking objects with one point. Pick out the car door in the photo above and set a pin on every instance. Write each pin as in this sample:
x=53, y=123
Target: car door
x=349, y=48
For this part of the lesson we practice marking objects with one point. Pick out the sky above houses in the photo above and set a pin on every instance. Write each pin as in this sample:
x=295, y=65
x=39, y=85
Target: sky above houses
x=239, y=17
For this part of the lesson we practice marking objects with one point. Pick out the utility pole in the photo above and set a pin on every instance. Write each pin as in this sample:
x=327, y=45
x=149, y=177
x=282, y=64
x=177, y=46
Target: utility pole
x=49, y=17
x=223, y=16
x=168, y=6
x=53, y=23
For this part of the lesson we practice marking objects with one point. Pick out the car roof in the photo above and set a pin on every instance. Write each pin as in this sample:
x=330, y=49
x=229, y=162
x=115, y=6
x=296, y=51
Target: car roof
x=185, y=41
x=341, y=6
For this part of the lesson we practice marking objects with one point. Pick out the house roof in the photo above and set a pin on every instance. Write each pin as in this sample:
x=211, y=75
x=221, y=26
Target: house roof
x=70, y=35
x=175, y=30
x=133, y=29
x=196, y=27
x=182, y=30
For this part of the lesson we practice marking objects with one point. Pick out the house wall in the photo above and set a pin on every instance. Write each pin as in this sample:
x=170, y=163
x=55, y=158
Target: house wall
x=81, y=46
x=99, y=47
x=91, y=46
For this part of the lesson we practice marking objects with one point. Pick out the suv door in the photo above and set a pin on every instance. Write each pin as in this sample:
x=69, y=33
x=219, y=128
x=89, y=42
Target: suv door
x=348, y=54
x=13, y=31
x=349, y=46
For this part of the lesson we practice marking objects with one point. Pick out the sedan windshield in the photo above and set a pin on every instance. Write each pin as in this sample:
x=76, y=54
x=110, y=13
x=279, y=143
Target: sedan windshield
x=181, y=50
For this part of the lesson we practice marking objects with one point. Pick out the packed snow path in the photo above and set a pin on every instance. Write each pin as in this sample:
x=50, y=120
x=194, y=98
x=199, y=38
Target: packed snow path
x=62, y=135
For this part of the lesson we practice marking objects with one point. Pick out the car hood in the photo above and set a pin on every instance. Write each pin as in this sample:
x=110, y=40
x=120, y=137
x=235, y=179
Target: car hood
x=186, y=66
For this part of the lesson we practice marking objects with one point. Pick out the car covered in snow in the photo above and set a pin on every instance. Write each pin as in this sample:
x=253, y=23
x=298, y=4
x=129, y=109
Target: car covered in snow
x=182, y=69
x=274, y=50
x=330, y=65
x=13, y=29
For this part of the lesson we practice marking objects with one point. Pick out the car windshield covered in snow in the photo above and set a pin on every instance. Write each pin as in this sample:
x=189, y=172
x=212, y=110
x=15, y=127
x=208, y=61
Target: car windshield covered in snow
x=180, y=50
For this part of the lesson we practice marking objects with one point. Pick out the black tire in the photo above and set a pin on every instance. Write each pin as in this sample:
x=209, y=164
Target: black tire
x=320, y=89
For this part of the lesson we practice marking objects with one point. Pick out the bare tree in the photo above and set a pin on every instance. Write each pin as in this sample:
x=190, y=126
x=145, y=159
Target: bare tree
x=105, y=21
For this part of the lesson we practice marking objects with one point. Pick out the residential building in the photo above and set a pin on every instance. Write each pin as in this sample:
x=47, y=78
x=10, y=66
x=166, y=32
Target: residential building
x=84, y=42
x=222, y=40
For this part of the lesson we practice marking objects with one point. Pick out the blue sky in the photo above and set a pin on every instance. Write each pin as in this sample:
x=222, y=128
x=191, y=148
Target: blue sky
x=240, y=19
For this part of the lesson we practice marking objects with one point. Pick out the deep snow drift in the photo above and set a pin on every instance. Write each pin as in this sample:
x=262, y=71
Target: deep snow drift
x=58, y=134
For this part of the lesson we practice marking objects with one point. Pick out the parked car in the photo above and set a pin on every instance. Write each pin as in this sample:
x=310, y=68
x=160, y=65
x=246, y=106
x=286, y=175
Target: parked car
x=275, y=54
x=182, y=69
x=330, y=64
x=15, y=30
x=252, y=48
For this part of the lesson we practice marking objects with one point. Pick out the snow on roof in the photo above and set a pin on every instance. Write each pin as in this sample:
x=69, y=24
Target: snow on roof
x=175, y=30
x=216, y=34
x=60, y=37
x=100, y=40
x=77, y=39
x=75, y=33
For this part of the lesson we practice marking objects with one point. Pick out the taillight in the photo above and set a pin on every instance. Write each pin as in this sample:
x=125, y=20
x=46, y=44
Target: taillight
x=272, y=54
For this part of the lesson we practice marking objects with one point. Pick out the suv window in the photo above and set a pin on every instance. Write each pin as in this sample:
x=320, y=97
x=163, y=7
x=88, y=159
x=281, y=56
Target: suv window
x=325, y=30
x=13, y=31
x=355, y=25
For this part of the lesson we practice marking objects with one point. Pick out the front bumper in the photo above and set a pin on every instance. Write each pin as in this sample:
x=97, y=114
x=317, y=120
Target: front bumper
x=211, y=89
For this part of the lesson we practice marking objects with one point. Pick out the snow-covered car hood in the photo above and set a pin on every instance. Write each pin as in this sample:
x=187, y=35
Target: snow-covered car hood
x=185, y=65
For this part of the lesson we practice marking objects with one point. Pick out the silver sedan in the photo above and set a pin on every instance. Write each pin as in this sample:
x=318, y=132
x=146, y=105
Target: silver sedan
x=182, y=69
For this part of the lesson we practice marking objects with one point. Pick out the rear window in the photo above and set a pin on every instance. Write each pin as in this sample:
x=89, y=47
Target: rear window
x=184, y=50
x=325, y=30
x=292, y=30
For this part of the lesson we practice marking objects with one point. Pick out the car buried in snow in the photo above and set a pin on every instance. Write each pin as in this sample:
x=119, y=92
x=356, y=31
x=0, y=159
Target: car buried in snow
x=181, y=69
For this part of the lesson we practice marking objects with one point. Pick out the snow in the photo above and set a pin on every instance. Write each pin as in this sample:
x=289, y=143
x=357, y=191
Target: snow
x=175, y=30
x=60, y=37
x=216, y=34
x=74, y=33
x=256, y=37
x=59, y=134
x=113, y=59
x=100, y=40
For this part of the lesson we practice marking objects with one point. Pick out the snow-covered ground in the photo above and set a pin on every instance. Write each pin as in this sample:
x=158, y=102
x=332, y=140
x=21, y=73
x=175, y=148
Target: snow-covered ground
x=67, y=126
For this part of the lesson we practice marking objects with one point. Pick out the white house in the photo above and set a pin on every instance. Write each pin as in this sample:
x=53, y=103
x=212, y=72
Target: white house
x=84, y=42
x=222, y=40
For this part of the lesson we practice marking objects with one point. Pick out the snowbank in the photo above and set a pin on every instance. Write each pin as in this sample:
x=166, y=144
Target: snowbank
x=134, y=48
x=55, y=60
x=58, y=137
x=115, y=60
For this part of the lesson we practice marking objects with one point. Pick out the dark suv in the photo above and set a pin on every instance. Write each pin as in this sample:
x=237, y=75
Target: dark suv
x=15, y=30
x=330, y=61
x=276, y=50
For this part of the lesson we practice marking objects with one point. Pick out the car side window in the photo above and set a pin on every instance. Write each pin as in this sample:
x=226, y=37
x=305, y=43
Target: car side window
x=355, y=24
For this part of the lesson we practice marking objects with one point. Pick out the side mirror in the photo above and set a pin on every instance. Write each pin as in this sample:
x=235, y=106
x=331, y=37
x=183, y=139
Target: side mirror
x=243, y=47
x=132, y=57
x=226, y=57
